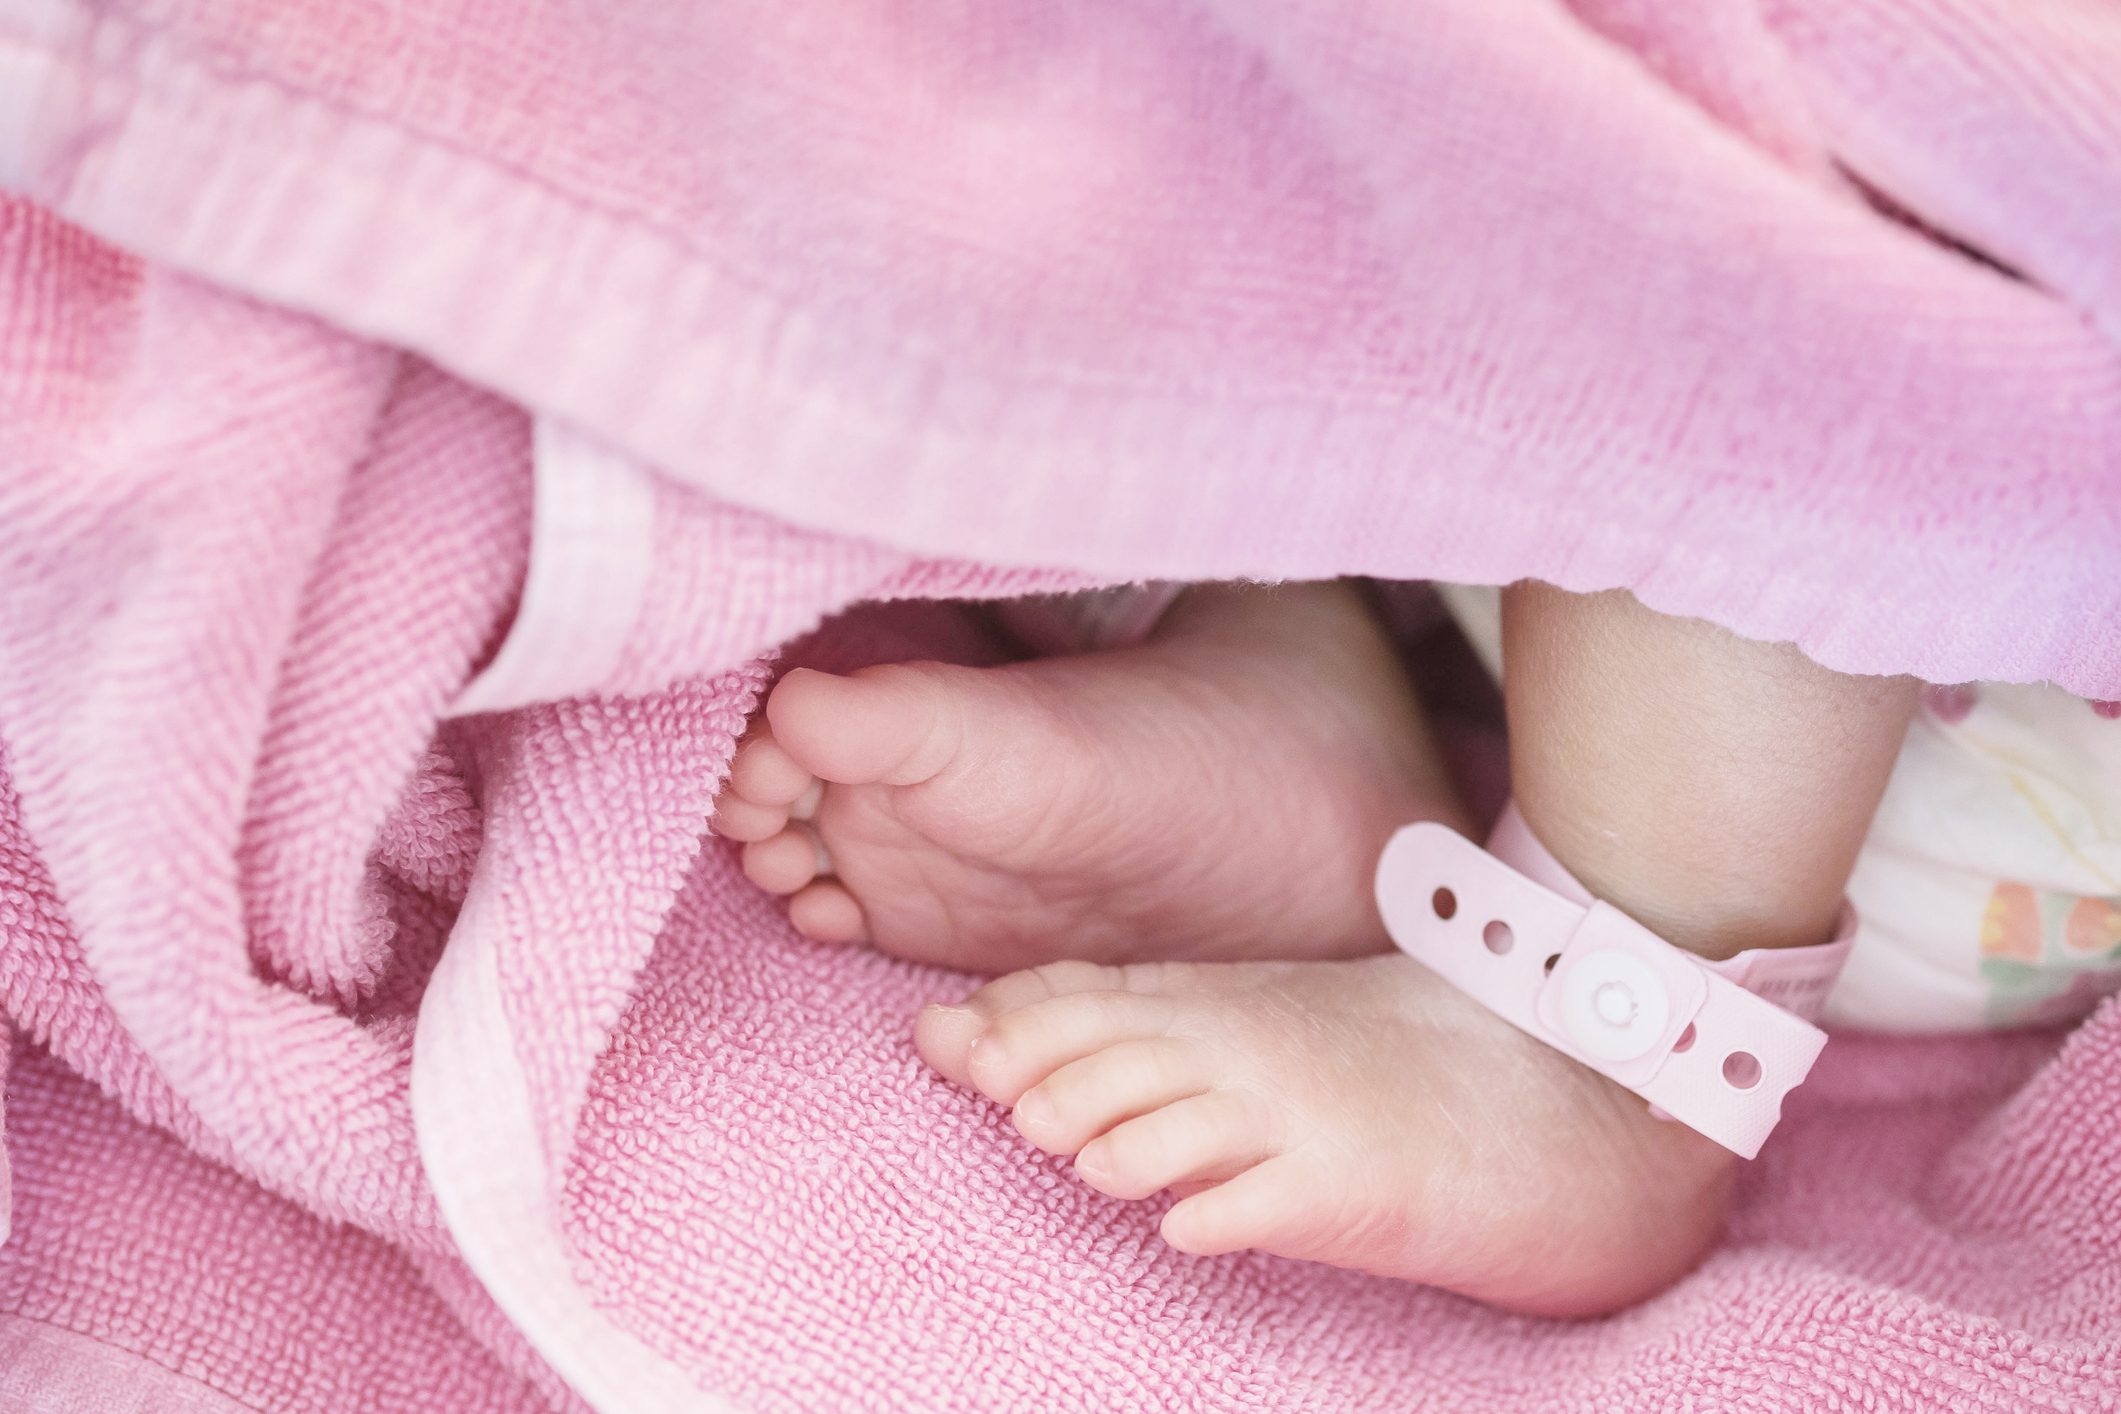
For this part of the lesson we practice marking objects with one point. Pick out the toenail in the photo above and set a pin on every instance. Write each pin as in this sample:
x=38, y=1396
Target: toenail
x=1034, y=1111
x=806, y=804
x=1091, y=1162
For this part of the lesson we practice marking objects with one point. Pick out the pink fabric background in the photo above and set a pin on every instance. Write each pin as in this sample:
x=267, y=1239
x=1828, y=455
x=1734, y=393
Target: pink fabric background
x=1214, y=286
x=383, y=1031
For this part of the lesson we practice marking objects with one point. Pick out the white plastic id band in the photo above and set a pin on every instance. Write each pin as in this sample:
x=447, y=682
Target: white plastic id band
x=1795, y=979
x=1580, y=975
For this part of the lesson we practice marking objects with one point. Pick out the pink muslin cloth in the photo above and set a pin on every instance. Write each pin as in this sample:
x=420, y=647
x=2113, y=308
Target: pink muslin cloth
x=420, y=426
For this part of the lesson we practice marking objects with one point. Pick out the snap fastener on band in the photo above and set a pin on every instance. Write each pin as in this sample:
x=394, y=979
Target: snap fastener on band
x=1715, y=1046
x=1612, y=1005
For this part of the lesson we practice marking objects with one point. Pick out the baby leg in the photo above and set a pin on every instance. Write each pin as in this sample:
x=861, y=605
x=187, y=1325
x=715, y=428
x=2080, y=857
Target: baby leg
x=1715, y=788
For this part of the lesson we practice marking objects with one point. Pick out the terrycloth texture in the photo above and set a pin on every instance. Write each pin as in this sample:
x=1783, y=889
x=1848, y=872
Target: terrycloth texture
x=1185, y=289
x=256, y=1304
x=356, y=773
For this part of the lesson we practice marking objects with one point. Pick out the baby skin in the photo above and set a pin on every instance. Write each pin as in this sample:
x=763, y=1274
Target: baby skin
x=1220, y=792
x=1143, y=830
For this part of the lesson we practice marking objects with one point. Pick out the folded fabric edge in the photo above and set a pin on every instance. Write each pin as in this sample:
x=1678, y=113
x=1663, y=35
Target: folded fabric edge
x=591, y=551
x=218, y=176
x=479, y=1144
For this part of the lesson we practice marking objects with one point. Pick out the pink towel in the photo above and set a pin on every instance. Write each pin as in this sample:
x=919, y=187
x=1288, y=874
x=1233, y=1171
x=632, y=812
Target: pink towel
x=416, y=426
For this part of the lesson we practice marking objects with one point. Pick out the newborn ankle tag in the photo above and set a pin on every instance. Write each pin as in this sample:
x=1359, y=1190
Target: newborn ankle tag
x=1701, y=1041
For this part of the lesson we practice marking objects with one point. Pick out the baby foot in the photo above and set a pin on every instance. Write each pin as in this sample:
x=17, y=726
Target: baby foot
x=1222, y=791
x=1362, y=1113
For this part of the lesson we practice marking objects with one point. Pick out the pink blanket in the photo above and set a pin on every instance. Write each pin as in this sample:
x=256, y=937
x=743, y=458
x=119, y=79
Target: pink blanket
x=418, y=425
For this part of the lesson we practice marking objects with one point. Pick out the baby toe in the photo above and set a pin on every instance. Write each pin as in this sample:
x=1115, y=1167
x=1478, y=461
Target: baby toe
x=1263, y=1207
x=784, y=862
x=748, y=822
x=1021, y=1048
x=1198, y=1137
x=825, y=912
x=1084, y=1098
x=944, y=1035
x=893, y=724
x=764, y=773
x=1038, y=984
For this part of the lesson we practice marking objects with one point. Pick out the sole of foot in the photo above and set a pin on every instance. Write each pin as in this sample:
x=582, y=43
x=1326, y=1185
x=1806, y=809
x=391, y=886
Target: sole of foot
x=1221, y=791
